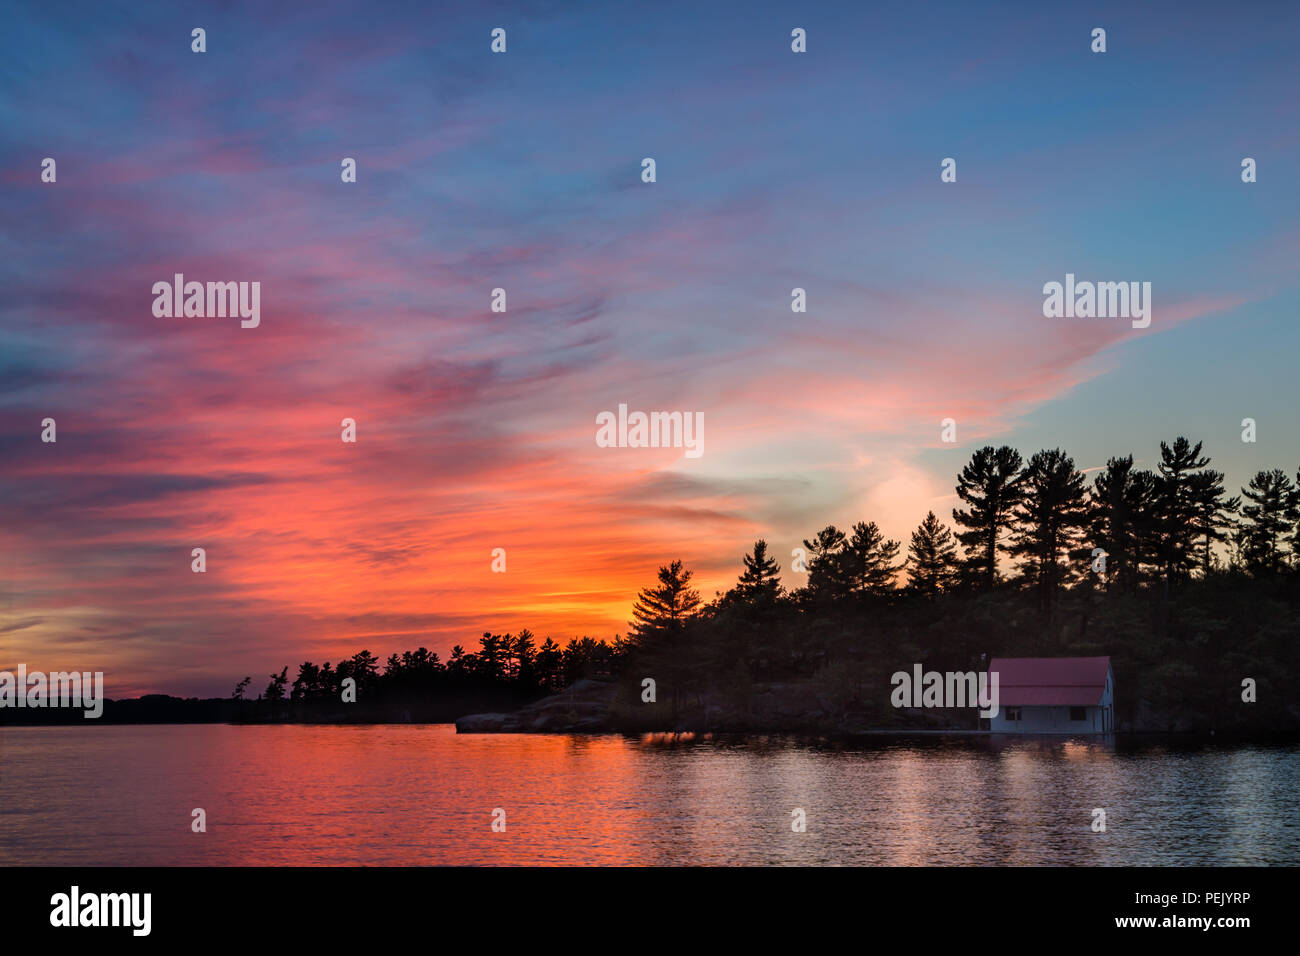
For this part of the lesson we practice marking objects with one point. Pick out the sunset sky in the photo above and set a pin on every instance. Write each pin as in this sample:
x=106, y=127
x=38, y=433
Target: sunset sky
x=522, y=171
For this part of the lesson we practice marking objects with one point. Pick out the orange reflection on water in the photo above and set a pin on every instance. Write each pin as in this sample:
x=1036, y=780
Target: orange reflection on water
x=421, y=794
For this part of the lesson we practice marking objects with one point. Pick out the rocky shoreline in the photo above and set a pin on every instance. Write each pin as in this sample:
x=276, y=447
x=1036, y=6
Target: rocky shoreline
x=800, y=708
x=586, y=706
x=590, y=706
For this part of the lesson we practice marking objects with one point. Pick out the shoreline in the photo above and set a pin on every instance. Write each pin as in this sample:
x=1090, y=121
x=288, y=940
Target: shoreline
x=828, y=734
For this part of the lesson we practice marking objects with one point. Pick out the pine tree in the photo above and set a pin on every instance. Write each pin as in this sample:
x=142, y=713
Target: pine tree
x=868, y=558
x=327, y=685
x=1146, y=526
x=932, y=557
x=1295, y=534
x=760, y=582
x=1121, y=521
x=826, y=567
x=458, y=663
x=550, y=673
x=990, y=486
x=492, y=652
x=308, y=677
x=1271, y=512
x=365, y=667
x=275, y=689
x=523, y=659
x=1213, y=520
x=662, y=614
x=1177, y=507
x=663, y=610
x=1048, y=520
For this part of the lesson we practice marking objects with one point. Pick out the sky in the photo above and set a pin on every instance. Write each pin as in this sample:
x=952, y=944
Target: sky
x=523, y=171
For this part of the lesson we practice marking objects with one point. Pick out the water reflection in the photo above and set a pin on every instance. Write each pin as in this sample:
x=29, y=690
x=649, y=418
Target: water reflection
x=412, y=794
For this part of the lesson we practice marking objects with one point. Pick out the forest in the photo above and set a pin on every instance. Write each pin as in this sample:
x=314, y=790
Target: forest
x=1189, y=589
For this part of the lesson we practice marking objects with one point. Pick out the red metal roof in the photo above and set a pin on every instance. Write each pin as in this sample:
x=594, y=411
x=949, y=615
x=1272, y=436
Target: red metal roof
x=1050, y=681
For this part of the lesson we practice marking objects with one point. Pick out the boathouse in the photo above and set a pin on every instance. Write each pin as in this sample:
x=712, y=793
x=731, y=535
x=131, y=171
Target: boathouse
x=1053, y=695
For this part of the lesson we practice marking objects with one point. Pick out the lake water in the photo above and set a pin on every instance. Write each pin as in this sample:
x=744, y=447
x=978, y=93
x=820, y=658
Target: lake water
x=411, y=794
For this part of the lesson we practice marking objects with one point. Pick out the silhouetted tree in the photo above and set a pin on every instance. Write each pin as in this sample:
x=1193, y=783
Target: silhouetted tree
x=664, y=609
x=1177, y=507
x=1213, y=513
x=550, y=671
x=1048, y=519
x=826, y=567
x=328, y=683
x=868, y=560
x=1122, y=521
x=275, y=689
x=1295, y=535
x=760, y=581
x=932, y=557
x=458, y=664
x=585, y=658
x=990, y=486
x=661, y=614
x=493, y=649
x=1271, y=512
x=364, y=669
x=306, y=681
x=523, y=659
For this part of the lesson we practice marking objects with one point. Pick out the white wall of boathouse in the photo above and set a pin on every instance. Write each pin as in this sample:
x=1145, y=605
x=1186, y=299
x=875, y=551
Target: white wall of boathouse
x=1097, y=719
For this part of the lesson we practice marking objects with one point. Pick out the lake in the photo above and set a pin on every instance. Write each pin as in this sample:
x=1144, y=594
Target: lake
x=421, y=794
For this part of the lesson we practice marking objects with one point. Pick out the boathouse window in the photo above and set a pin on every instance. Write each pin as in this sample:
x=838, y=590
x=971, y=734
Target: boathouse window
x=1013, y=713
x=1078, y=713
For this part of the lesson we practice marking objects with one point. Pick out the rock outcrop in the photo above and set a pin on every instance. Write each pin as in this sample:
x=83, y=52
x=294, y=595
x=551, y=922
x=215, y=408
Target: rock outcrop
x=582, y=707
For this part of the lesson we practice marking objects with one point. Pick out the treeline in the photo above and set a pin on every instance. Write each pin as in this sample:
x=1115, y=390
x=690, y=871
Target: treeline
x=506, y=671
x=1188, y=589
x=1130, y=528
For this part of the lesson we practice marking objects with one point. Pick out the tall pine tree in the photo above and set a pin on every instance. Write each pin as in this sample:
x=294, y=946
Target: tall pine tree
x=1213, y=514
x=826, y=566
x=1121, y=521
x=760, y=582
x=1271, y=512
x=661, y=615
x=1049, y=518
x=869, y=560
x=663, y=610
x=932, y=557
x=1177, y=507
x=990, y=486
